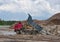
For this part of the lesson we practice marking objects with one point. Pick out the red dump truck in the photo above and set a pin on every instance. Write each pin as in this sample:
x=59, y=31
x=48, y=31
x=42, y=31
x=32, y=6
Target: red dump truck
x=20, y=29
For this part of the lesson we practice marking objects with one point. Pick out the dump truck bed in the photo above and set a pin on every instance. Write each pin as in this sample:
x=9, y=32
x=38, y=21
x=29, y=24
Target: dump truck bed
x=33, y=24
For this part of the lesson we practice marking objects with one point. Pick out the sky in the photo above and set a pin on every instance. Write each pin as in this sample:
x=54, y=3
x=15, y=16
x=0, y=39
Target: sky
x=19, y=9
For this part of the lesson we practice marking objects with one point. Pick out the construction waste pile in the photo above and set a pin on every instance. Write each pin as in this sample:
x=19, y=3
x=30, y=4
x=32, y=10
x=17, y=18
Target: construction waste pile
x=51, y=30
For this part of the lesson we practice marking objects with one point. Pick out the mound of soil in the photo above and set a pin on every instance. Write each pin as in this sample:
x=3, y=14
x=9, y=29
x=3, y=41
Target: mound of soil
x=54, y=20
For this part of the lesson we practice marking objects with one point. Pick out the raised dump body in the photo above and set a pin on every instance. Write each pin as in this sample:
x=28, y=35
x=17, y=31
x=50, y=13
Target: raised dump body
x=33, y=24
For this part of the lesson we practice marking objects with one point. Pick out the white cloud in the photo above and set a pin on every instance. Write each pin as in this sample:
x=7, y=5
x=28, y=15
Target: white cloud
x=35, y=7
x=55, y=5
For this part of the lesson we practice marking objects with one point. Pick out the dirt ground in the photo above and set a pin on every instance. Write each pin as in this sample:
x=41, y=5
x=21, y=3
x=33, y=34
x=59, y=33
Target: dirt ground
x=8, y=35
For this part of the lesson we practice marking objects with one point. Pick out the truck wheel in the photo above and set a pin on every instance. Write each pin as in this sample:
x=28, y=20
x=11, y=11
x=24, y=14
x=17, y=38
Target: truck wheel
x=18, y=32
x=22, y=32
x=34, y=32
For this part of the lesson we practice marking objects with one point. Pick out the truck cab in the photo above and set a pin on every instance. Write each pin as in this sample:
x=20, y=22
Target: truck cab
x=18, y=27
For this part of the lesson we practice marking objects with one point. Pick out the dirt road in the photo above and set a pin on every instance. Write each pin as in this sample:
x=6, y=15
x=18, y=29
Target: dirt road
x=8, y=35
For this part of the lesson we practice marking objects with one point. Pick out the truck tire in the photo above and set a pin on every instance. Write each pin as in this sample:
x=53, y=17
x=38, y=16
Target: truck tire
x=34, y=32
x=18, y=32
